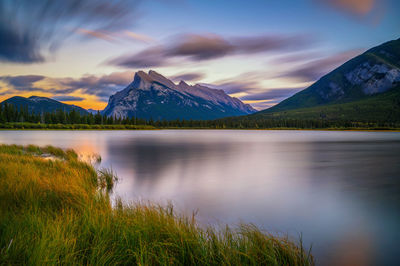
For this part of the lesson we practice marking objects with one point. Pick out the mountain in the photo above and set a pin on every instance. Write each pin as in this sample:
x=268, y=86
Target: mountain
x=38, y=104
x=365, y=87
x=93, y=111
x=154, y=96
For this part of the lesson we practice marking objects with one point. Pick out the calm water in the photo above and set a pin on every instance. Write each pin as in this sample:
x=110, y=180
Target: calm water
x=340, y=190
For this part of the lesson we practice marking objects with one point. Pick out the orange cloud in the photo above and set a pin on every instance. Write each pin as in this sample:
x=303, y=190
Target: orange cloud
x=115, y=36
x=97, y=34
x=139, y=37
x=357, y=7
x=88, y=91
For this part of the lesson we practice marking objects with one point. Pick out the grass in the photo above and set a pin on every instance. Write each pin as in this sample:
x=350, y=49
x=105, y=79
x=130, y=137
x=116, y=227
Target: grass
x=59, y=211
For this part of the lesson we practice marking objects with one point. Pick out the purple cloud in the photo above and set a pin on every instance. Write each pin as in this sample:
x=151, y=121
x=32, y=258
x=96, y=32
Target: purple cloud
x=196, y=47
x=200, y=47
x=314, y=70
x=188, y=77
x=151, y=57
x=269, y=94
x=21, y=81
x=67, y=98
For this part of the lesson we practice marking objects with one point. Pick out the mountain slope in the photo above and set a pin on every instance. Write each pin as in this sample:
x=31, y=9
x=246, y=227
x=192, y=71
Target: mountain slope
x=38, y=104
x=154, y=96
x=366, y=88
x=371, y=73
x=384, y=107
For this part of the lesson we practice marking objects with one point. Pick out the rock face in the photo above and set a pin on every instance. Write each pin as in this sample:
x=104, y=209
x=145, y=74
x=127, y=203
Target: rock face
x=154, y=96
x=374, y=72
x=373, y=79
x=39, y=105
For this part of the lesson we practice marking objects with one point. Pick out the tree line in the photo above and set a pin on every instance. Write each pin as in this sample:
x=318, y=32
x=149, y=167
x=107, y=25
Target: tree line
x=12, y=114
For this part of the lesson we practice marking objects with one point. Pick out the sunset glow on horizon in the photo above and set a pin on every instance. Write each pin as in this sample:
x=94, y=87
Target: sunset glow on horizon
x=260, y=52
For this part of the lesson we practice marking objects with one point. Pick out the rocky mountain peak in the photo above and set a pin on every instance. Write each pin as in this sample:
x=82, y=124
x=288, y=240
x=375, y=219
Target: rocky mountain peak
x=182, y=84
x=161, y=79
x=151, y=95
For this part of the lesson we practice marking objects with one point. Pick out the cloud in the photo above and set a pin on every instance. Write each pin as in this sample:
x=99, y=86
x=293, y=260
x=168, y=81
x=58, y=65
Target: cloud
x=263, y=104
x=30, y=29
x=116, y=36
x=138, y=36
x=102, y=86
x=295, y=57
x=67, y=98
x=269, y=94
x=355, y=7
x=268, y=43
x=188, y=77
x=15, y=46
x=314, y=70
x=22, y=81
x=151, y=57
x=196, y=47
x=200, y=47
x=232, y=87
x=96, y=34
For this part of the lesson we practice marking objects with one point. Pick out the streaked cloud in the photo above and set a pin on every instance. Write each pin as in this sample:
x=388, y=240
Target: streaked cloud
x=138, y=36
x=315, y=69
x=100, y=86
x=29, y=30
x=116, y=36
x=201, y=47
x=188, y=77
x=277, y=93
x=96, y=34
x=232, y=87
x=67, y=98
x=262, y=104
x=151, y=57
x=22, y=81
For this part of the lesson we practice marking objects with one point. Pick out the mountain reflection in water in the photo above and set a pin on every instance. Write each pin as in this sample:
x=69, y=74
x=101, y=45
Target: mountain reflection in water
x=340, y=190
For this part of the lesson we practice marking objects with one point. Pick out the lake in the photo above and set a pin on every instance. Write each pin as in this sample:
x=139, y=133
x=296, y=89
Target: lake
x=339, y=190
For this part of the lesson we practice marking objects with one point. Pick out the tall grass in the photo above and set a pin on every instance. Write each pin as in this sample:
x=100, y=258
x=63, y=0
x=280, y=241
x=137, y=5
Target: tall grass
x=59, y=212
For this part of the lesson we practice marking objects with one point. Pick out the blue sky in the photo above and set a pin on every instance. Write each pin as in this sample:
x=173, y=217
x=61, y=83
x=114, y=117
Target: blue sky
x=260, y=51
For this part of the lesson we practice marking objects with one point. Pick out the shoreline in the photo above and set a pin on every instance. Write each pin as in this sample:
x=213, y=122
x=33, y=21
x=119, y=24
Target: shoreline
x=193, y=128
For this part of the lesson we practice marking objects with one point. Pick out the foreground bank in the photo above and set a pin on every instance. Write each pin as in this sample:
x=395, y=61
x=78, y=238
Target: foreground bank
x=55, y=208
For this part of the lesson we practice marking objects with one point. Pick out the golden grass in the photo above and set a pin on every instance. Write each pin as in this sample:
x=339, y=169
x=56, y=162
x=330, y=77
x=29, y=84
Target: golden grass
x=59, y=212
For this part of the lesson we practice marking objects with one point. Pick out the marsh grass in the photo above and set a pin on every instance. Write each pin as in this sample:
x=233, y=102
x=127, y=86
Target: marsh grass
x=59, y=212
x=106, y=179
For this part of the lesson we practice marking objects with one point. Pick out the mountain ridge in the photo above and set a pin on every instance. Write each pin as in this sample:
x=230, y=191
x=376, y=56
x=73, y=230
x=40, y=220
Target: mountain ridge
x=374, y=71
x=151, y=95
x=39, y=104
x=362, y=89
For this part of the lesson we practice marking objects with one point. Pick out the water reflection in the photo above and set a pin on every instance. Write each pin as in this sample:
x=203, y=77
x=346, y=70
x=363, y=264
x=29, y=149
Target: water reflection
x=341, y=190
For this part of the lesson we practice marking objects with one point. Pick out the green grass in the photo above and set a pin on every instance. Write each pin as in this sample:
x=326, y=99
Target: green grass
x=58, y=211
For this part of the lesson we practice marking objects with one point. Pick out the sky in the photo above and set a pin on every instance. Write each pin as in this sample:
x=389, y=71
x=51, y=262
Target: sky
x=261, y=51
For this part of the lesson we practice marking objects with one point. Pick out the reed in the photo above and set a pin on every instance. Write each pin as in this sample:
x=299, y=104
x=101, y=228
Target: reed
x=57, y=210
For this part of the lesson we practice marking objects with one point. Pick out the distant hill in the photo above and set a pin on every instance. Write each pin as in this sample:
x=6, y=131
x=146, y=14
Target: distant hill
x=151, y=95
x=38, y=104
x=366, y=88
